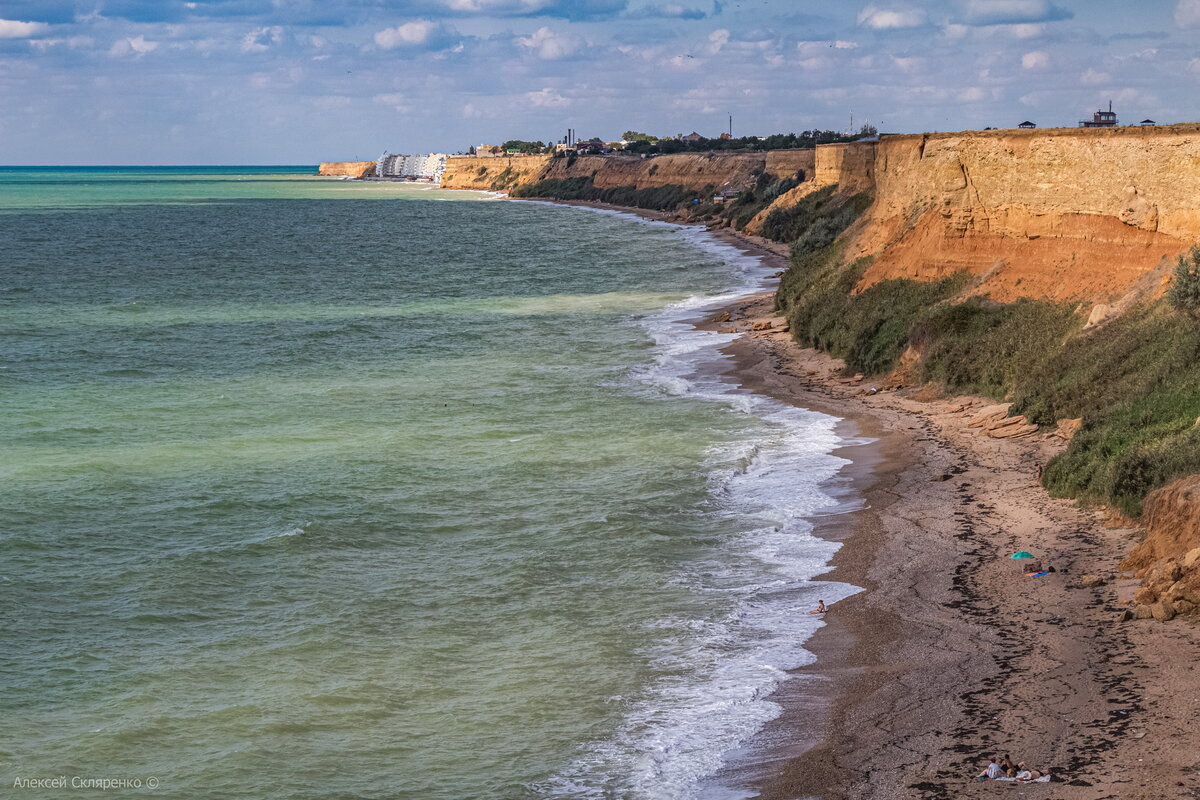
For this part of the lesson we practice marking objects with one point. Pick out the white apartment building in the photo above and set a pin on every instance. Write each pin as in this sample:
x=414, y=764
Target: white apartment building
x=424, y=166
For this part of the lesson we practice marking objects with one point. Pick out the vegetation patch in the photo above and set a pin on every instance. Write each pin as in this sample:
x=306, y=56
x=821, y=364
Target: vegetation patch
x=1134, y=380
x=749, y=203
x=659, y=198
x=814, y=222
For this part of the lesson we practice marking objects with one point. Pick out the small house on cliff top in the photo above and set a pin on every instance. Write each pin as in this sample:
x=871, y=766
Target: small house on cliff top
x=1101, y=119
x=1027, y=124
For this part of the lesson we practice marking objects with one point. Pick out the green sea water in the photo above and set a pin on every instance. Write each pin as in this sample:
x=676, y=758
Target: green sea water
x=320, y=489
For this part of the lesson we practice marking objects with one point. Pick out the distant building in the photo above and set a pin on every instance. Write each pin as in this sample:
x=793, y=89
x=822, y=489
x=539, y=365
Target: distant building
x=425, y=166
x=1147, y=123
x=489, y=151
x=1101, y=119
x=692, y=137
x=1027, y=124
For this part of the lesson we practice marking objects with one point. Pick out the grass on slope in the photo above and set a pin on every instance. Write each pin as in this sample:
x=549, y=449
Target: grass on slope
x=1135, y=381
x=659, y=198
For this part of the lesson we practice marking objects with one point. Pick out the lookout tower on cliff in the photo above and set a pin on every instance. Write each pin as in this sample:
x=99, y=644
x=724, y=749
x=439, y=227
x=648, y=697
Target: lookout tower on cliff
x=1101, y=119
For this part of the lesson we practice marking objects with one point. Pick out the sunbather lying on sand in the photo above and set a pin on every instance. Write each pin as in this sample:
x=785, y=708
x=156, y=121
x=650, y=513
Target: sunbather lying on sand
x=992, y=770
x=1025, y=774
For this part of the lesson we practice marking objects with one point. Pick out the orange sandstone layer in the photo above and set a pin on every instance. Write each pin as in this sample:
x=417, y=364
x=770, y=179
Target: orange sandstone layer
x=354, y=169
x=694, y=171
x=1063, y=214
x=493, y=174
x=1060, y=214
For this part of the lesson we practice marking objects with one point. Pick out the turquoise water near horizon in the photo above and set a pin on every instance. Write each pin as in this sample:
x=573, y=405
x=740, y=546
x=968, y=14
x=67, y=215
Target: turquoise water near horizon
x=317, y=488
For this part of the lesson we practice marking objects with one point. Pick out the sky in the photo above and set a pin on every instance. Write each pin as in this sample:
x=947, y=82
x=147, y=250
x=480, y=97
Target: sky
x=303, y=81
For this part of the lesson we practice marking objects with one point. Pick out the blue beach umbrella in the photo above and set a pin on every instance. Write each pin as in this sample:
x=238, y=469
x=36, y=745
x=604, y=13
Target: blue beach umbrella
x=1021, y=554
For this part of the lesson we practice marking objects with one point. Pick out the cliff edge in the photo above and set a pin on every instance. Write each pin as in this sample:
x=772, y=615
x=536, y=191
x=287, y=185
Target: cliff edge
x=352, y=169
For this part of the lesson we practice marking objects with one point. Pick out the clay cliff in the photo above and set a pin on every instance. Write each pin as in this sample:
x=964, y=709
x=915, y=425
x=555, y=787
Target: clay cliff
x=693, y=171
x=353, y=169
x=492, y=174
x=1168, y=560
x=1058, y=214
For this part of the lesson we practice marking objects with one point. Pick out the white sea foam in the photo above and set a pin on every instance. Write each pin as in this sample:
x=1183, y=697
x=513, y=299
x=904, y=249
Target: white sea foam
x=723, y=670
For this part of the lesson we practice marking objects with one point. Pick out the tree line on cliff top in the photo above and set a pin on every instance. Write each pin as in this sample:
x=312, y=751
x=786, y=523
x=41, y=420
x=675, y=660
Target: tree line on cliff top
x=644, y=143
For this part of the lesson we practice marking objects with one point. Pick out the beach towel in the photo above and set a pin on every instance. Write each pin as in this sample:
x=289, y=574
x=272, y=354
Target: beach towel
x=1043, y=779
x=1035, y=574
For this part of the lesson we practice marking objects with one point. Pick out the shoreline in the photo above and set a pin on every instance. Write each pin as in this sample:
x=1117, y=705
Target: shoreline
x=950, y=654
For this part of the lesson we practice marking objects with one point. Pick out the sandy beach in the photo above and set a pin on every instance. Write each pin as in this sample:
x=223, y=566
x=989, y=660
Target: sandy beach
x=952, y=654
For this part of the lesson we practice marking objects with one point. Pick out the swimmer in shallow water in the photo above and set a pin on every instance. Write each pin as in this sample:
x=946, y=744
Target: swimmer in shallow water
x=820, y=608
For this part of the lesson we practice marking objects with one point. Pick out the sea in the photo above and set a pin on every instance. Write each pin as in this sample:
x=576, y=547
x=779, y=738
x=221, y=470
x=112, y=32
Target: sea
x=315, y=488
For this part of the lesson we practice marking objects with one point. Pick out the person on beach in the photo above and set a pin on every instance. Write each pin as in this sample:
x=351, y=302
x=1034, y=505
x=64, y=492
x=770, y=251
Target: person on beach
x=820, y=608
x=1026, y=774
x=993, y=770
x=1010, y=768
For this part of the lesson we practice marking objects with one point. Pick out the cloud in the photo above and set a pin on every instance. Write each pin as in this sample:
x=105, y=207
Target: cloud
x=1012, y=12
x=136, y=46
x=1094, y=77
x=547, y=98
x=394, y=100
x=73, y=42
x=260, y=40
x=12, y=29
x=421, y=33
x=1037, y=59
x=575, y=10
x=885, y=19
x=1187, y=14
x=668, y=11
x=549, y=45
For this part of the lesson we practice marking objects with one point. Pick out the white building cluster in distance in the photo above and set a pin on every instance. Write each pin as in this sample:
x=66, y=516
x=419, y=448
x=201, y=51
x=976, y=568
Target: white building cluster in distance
x=424, y=166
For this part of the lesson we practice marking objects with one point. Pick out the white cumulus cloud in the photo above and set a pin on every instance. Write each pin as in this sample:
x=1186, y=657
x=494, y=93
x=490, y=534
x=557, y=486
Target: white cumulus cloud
x=12, y=29
x=1094, y=77
x=547, y=98
x=1187, y=14
x=417, y=32
x=1037, y=59
x=883, y=18
x=136, y=46
x=261, y=39
x=550, y=45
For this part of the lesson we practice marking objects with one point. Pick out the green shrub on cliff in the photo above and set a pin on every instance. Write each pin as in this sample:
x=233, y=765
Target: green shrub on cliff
x=1184, y=293
x=659, y=198
x=1133, y=380
x=980, y=346
x=869, y=330
x=814, y=222
x=748, y=203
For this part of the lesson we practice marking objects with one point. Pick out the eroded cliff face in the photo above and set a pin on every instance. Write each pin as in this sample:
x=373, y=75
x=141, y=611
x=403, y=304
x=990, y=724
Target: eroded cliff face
x=850, y=167
x=353, y=169
x=694, y=171
x=1168, y=560
x=1055, y=214
x=493, y=174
